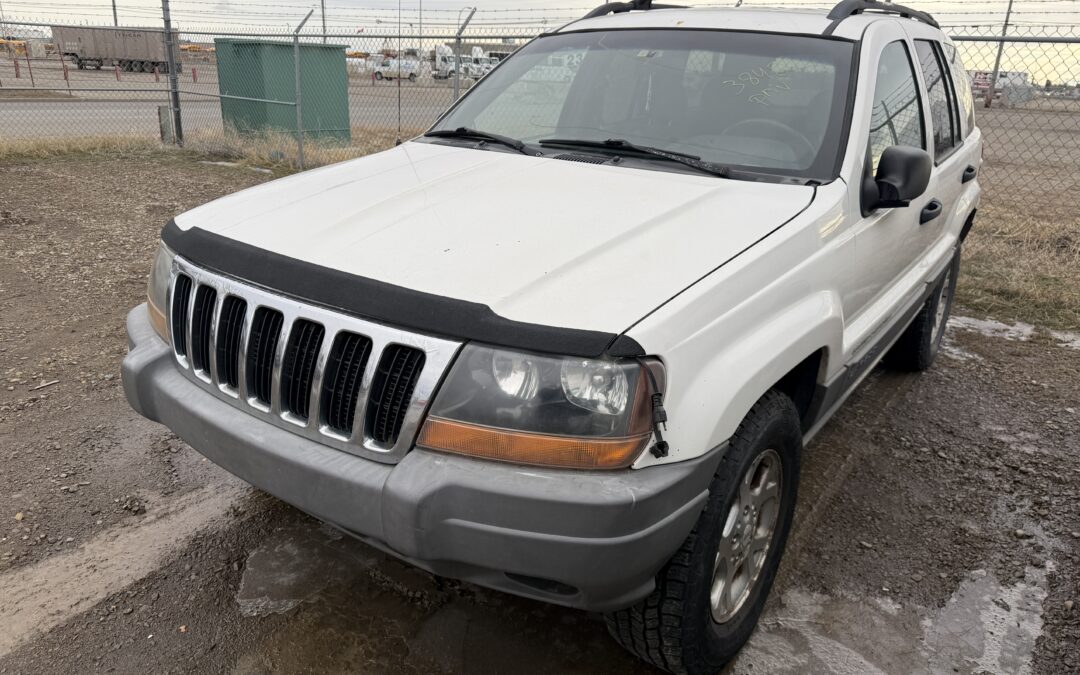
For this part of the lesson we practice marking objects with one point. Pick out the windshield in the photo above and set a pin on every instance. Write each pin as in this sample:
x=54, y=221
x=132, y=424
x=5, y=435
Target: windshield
x=766, y=102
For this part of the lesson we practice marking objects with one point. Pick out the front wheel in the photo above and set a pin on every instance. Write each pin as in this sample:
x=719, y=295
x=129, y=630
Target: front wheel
x=709, y=596
x=378, y=76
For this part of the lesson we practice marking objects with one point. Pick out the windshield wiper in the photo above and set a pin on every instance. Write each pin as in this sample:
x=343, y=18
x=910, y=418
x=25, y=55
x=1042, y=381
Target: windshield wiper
x=692, y=161
x=466, y=132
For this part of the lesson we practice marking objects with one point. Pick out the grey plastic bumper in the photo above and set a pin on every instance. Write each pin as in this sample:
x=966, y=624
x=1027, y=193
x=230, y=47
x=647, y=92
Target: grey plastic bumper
x=600, y=535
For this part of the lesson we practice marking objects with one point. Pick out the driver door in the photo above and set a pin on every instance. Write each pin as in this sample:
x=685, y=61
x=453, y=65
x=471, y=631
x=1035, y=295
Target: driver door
x=889, y=242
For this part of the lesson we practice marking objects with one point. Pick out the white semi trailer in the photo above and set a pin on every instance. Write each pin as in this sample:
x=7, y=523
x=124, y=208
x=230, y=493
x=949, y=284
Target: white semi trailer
x=132, y=49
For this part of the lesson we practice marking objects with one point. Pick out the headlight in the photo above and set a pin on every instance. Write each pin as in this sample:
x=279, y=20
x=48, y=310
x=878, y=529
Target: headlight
x=533, y=409
x=157, y=290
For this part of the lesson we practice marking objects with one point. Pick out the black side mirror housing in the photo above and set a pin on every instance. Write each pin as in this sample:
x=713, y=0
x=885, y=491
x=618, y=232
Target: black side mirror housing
x=903, y=174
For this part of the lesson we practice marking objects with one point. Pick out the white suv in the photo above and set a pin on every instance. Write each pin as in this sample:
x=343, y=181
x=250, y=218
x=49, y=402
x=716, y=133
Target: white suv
x=570, y=343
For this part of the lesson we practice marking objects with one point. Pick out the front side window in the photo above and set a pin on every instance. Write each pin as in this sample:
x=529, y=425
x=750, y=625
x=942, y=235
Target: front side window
x=770, y=103
x=896, y=118
x=942, y=106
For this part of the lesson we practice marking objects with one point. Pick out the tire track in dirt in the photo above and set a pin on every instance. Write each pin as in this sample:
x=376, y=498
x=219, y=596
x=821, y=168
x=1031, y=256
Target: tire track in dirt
x=49, y=593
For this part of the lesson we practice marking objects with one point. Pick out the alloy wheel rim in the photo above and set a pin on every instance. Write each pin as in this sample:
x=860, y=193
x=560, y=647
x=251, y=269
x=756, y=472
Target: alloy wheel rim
x=746, y=537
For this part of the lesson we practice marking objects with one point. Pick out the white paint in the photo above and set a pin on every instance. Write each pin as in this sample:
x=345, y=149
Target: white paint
x=536, y=239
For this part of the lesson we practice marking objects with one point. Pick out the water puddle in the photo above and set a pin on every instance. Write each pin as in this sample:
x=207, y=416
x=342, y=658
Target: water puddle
x=296, y=564
x=985, y=626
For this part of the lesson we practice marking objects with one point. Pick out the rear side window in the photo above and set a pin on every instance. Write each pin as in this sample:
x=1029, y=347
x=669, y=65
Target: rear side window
x=962, y=85
x=896, y=118
x=944, y=119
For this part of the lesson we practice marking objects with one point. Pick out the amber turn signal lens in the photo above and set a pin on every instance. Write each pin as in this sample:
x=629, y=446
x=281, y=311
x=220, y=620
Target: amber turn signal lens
x=157, y=320
x=525, y=448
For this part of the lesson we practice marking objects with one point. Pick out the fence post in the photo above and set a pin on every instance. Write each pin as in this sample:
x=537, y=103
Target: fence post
x=296, y=82
x=457, y=53
x=997, y=61
x=174, y=80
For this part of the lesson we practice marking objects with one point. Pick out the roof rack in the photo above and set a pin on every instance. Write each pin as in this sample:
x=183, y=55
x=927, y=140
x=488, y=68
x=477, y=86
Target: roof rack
x=847, y=8
x=620, y=7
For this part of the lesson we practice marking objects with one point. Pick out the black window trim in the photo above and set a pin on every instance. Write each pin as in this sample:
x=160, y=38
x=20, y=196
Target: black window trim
x=957, y=135
x=910, y=53
x=849, y=96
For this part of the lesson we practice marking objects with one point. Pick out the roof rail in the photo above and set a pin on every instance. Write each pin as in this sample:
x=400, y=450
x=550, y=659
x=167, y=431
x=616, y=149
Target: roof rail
x=847, y=8
x=620, y=7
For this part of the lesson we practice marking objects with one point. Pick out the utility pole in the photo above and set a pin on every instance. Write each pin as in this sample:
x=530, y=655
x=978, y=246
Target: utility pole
x=457, y=49
x=115, y=21
x=997, y=61
x=174, y=81
x=323, y=12
x=298, y=89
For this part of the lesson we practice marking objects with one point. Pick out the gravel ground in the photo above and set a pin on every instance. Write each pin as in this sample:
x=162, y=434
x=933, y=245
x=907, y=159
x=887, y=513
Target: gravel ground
x=938, y=528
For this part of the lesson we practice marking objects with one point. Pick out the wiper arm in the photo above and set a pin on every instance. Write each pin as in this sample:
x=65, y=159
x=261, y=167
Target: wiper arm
x=466, y=132
x=692, y=161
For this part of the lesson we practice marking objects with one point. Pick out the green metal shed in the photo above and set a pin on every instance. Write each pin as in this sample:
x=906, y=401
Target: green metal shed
x=262, y=74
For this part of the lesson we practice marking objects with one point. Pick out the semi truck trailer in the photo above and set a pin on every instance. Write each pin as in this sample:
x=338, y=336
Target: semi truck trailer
x=132, y=49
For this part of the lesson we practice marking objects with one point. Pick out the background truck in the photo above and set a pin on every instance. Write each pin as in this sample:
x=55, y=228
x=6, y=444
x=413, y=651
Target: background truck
x=132, y=49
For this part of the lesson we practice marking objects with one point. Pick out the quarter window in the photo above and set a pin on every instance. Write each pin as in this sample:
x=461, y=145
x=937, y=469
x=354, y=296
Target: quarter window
x=962, y=85
x=896, y=118
x=943, y=115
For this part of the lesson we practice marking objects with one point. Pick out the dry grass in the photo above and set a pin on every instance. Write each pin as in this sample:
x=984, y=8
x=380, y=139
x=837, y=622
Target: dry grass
x=1023, y=266
x=278, y=150
x=275, y=150
x=41, y=148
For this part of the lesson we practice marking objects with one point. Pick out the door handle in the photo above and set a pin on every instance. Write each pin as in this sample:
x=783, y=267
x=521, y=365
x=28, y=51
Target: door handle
x=930, y=211
x=969, y=174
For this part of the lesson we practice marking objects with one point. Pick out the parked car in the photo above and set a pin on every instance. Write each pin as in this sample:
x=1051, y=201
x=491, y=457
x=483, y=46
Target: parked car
x=571, y=342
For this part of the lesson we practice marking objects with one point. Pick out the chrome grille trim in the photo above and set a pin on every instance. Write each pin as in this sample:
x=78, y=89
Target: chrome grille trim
x=438, y=353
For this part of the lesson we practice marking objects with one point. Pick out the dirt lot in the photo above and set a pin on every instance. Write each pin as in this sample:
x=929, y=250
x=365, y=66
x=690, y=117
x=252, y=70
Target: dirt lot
x=938, y=528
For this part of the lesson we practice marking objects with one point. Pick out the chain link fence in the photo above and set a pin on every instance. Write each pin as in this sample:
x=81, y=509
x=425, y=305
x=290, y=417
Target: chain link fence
x=310, y=98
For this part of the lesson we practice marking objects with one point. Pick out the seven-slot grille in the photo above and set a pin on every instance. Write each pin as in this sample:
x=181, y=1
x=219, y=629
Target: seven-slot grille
x=346, y=382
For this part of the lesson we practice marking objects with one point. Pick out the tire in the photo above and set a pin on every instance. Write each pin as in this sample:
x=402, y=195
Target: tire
x=677, y=627
x=412, y=77
x=920, y=342
x=378, y=76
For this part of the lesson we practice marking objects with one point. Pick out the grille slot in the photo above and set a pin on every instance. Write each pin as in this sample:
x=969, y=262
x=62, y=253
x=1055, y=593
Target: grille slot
x=265, y=333
x=341, y=383
x=391, y=391
x=338, y=380
x=181, y=301
x=202, y=321
x=229, y=334
x=298, y=367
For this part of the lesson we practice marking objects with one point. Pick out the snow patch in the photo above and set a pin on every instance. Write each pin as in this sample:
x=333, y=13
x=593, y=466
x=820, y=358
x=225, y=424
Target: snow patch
x=1018, y=331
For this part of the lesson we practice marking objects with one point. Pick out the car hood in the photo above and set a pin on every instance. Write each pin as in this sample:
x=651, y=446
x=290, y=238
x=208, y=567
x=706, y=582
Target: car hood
x=538, y=240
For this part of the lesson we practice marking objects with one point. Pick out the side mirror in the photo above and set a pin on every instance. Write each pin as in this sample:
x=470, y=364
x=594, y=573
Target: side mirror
x=903, y=174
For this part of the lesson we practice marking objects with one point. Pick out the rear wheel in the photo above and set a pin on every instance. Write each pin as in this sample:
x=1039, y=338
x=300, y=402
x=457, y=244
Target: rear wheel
x=709, y=596
x=919, y=344
x=412, y=77
x=378, y=76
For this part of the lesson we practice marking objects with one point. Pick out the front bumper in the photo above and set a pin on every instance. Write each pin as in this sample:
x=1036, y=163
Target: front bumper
x=592, y=540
